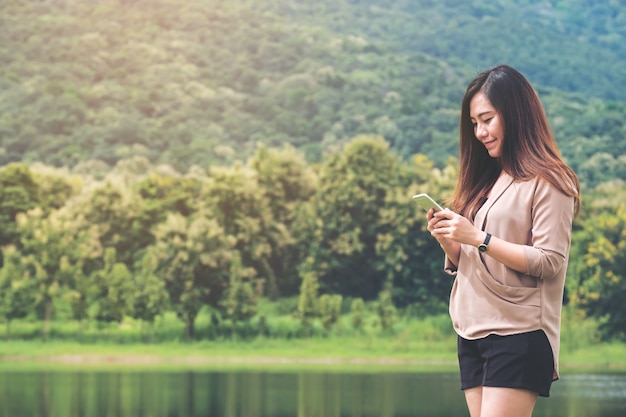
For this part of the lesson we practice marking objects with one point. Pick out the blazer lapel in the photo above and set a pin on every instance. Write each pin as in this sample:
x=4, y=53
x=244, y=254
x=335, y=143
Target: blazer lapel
x=502, y=183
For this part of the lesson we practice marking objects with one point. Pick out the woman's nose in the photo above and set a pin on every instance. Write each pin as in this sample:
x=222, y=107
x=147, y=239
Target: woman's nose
x=481, y=132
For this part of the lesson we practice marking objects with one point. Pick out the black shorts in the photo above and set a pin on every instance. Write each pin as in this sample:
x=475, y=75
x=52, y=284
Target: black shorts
x=522, y=360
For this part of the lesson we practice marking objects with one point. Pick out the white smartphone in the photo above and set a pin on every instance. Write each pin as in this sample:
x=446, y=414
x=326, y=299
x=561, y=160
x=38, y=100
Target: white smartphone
x=426, y=202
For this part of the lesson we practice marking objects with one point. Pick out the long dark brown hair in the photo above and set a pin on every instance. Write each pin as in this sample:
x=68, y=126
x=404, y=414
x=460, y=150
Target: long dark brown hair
x=528, y=151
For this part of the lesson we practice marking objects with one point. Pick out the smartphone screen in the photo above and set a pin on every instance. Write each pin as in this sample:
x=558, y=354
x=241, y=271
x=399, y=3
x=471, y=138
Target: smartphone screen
x=426, y=202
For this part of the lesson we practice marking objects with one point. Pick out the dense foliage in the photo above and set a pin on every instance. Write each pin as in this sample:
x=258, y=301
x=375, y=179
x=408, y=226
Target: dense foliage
x=222, y=237
x=179, y=155
x=343, y=230
x=572, y=45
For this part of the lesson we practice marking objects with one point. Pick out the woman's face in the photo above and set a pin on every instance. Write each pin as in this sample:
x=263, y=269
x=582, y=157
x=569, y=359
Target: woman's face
x=488, y=126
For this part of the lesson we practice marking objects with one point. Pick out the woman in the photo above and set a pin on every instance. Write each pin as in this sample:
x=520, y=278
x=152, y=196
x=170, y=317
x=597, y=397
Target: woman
x=507, y=241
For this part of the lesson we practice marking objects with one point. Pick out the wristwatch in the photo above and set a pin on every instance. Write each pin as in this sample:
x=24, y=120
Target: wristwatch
x=483, y=246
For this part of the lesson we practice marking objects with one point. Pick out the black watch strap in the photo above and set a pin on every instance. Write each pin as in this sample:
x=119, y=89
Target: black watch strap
x=483, y=246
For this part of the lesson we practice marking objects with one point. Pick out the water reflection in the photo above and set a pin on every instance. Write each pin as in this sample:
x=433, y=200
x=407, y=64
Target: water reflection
x=588, y=395
x=272, y=394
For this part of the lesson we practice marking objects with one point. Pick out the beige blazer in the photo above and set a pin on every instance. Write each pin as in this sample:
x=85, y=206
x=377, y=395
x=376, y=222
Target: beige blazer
x=490, y=298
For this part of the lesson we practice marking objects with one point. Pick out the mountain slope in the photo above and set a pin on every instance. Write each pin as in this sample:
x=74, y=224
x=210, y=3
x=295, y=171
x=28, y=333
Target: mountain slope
x=187, y=82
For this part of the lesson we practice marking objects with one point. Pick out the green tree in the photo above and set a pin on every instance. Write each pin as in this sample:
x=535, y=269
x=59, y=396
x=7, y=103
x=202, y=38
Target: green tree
x=111, y=291
x=16, y=288
x=287, y=182
x=149, y=298
x=108, y=211
x=344, y=222
x=124, y=210
x=77, y=293
x=598, y=262
x=194, y=257
x=50, y=244
x=357, y=307
x=244, y=213
x=56, y=186
x=167, y=193
x=19, y=193
x=240, y=302
x=83, y=252
x=308, y=302
x=330, y=310
x=385, y=310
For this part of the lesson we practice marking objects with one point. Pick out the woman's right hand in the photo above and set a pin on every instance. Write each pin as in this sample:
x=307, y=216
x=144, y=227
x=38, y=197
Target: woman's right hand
x=432, y=225
x=449, y=246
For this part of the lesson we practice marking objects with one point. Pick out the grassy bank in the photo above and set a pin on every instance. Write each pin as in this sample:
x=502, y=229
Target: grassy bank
x=414, y=344
x=347, y=352
x=327, y=354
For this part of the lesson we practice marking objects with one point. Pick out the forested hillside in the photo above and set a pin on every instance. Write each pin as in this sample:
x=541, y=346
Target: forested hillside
x=186, y=82
x=572, y=45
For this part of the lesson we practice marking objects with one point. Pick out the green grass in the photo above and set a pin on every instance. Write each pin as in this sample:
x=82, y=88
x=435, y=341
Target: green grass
x=328, y=354
x=415, y=344
x=427, y=344
x=602, y=357
x=344, y=349
x=346, y=354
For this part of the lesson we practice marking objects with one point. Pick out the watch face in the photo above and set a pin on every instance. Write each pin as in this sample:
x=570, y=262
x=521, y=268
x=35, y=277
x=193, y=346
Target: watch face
x=482, y=247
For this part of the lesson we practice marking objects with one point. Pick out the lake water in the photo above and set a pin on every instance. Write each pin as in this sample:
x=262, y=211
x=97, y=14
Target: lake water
x=278, y=394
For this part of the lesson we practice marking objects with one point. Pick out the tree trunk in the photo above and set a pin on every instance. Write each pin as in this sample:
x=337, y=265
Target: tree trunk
x=273, y=291
x=46, y=322
x=189, y=328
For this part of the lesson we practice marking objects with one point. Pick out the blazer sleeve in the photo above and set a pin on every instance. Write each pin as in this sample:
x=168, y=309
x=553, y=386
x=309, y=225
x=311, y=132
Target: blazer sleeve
x=552, y=215
x=449, y=267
